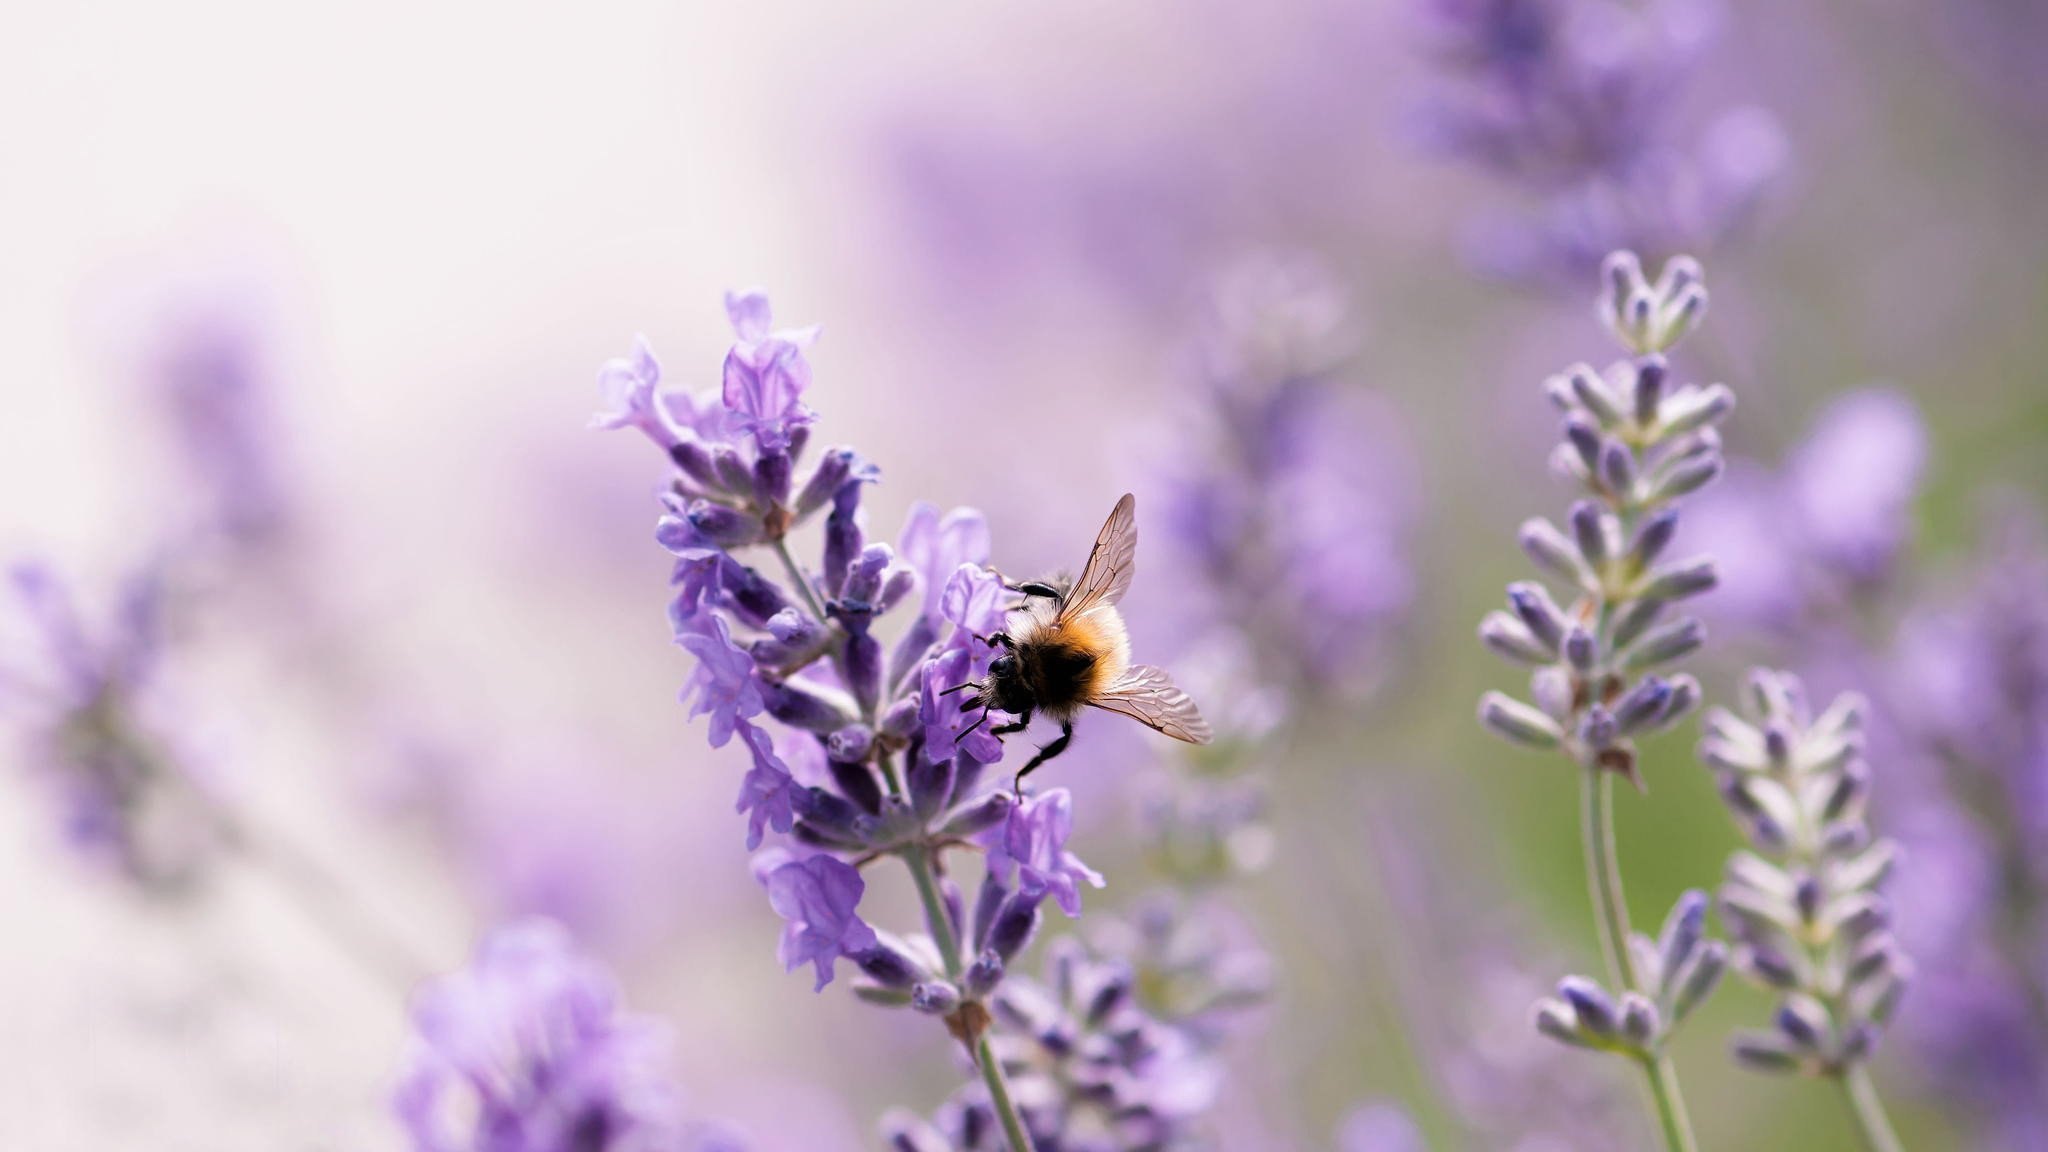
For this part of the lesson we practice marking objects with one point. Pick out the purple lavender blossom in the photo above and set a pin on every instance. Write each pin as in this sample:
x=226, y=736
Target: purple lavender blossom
x=1573, y=103
x=936, y=546
x=1030, y=850
x=527, y=1050
x=766, y=373
x=723, y=684
x=890, y=763
x=817, y=897
x=768, y=794
x=627, y=387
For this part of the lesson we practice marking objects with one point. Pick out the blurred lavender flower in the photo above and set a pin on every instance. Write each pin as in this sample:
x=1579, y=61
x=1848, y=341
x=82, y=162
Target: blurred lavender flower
x=98, y=733
x=1195, y=965
x=1291, y=496
x=527, y=1050
x=1574, y=103
x=1098, y=183
x=1806, y=905
x=1822, y=539
x=213, y=380
x=1969, y=682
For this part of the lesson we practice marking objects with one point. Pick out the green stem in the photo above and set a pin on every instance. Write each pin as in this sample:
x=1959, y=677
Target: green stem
x=999, y=1096
x=1871, y=1121
x=1603, y=874
x=803, y=583
x=919, y=861
x=1662, y=1075
x=1603, y=881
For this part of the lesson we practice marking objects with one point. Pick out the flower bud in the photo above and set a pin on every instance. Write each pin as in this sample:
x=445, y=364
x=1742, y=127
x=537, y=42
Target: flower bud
x=1515, y=721
x=935, y=998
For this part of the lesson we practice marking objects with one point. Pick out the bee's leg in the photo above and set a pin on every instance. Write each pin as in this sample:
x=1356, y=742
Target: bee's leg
x=1002, y=638
x=1051, y=750
x=1036, y=588
x=1022, y=722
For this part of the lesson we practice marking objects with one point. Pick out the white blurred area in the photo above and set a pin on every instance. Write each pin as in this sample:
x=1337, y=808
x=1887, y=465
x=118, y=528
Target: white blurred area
x=452, y=213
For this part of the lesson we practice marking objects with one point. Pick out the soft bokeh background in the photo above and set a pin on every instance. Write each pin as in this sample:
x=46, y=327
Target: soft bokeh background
x=449, y=684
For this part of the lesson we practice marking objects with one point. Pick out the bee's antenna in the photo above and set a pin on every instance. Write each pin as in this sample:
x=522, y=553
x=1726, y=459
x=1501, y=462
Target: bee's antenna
x=978, y=722
x=961, y=687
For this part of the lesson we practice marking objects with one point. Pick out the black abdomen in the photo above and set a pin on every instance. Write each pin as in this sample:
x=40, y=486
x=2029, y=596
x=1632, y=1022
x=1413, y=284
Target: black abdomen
x=1058, y=674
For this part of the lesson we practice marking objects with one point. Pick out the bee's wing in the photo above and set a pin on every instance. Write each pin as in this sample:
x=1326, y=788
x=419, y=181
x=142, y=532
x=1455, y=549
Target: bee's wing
x=1111, y=563
x=1149, y=696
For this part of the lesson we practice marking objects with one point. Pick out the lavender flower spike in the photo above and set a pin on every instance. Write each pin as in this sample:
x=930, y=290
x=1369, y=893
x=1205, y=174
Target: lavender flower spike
x=1635, y=445
x=857, y=754
x=1806, y=906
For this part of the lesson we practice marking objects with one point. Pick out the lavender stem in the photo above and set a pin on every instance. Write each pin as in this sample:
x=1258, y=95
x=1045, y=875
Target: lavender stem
x=1871, y=1120
x=919, y=861
x=797, y=577
x=1603, y=877
x=999, y=1097
x=1603, y=883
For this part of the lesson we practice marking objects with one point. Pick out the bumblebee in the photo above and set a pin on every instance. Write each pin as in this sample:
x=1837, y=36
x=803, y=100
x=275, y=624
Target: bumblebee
x=1066, y=648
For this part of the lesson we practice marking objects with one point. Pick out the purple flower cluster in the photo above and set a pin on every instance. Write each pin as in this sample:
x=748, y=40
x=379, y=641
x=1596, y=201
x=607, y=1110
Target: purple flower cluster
x=1292, y=497
x=1093, y=1072
x=858, y=750
x=1574, y=103
x=1636, y=444
x=1806, y=906
x=97, y=731
x=527, y=1050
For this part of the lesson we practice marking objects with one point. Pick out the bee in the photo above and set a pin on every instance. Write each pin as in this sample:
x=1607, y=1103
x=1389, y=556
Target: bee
x=1067, y=649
